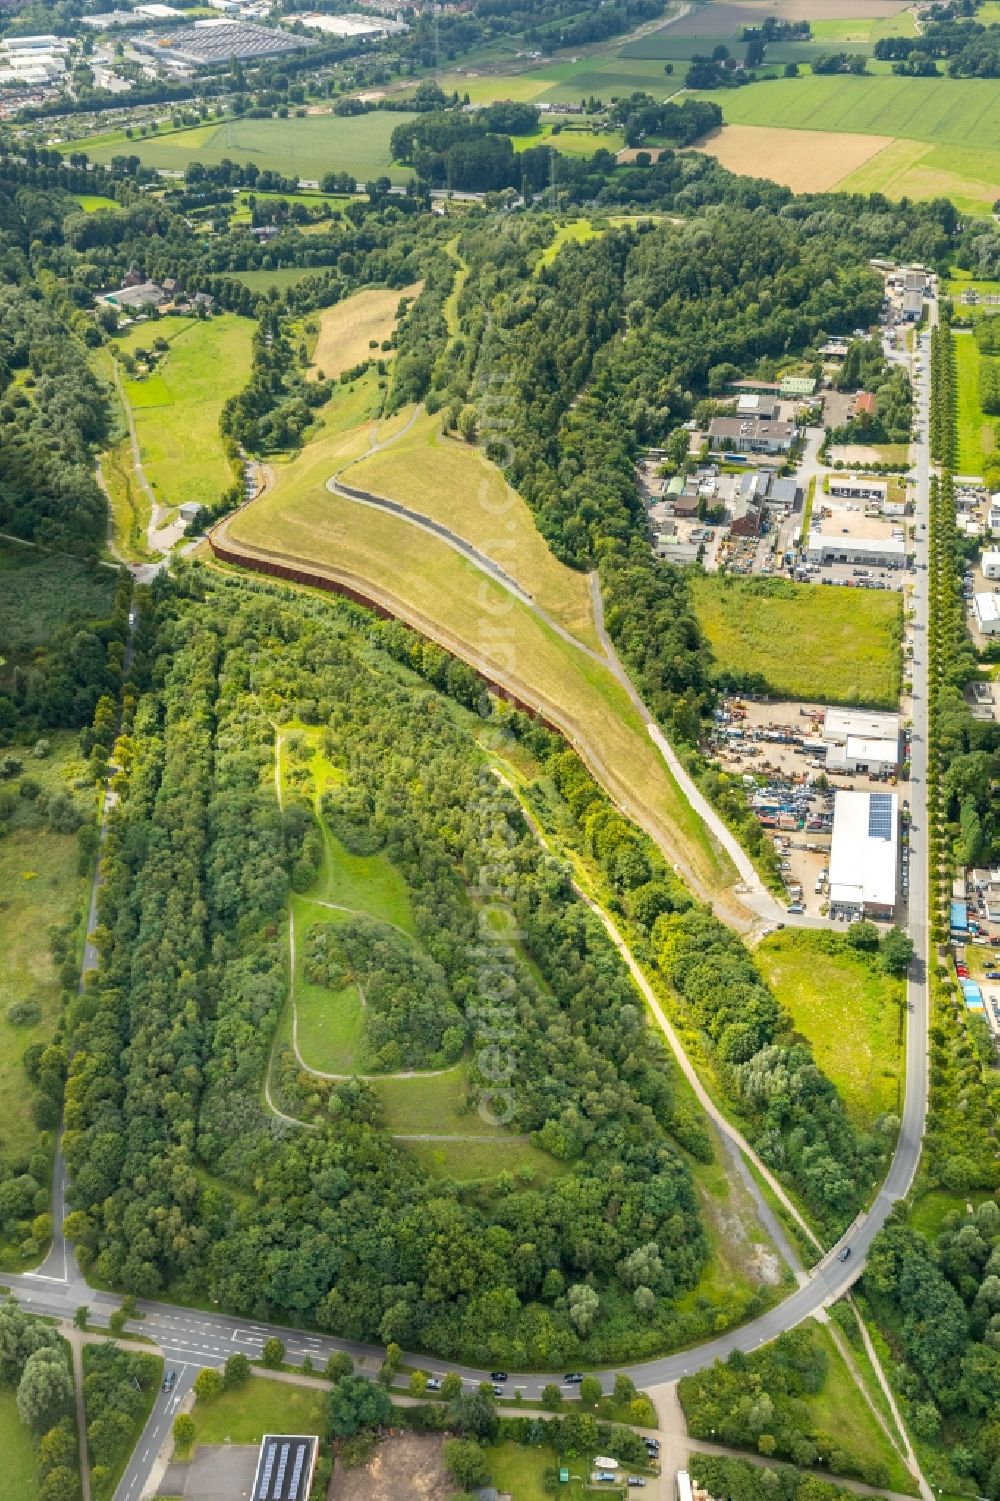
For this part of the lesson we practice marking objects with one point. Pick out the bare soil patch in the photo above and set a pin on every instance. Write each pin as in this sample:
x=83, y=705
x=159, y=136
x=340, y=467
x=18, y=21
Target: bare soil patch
x=406, y=1465
x=803, y=160
x=347, y=329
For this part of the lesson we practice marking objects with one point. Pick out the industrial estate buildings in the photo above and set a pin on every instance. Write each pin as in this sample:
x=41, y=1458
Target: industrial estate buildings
x=864, y=855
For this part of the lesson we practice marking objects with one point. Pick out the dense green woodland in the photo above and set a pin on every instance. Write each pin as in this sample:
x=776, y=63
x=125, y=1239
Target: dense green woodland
x=169, y=1047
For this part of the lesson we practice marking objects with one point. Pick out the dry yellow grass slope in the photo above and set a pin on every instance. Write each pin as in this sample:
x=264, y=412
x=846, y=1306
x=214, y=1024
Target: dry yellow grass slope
x=347, y=328
x=455, y=484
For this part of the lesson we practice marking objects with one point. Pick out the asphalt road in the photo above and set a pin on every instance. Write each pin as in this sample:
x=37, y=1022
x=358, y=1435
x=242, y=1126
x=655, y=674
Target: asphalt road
x=191, y=1339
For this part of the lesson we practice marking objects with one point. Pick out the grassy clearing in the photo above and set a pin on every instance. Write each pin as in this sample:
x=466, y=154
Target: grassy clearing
x=837, y=645
x=840, y=1409
x=91, y=203
x=483, y=1161
x=245, y=1414
x=577, y=231
x=850, y=1015
x=454, y=483
x=178, y=405
x=434, y=588
x=976, y=431
x=282, y=277
x=40, y=592
x=20, y=1472
x=39, y=889
x=242, y=214
x=306, y=147
x=435, y=1104
x=331, y=1023
x=931, y=1209
x=347, y=329
x=581, y=138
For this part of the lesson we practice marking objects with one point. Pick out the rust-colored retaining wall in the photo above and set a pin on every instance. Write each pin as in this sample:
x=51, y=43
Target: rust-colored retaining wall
x=299, y=575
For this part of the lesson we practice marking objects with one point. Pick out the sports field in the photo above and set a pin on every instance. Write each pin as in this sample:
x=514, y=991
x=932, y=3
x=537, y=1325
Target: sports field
x=849, y=1013
x=805, y=161
x=177, y=406
x=347, y=329
x=976, y=431
x=306, y=147
x=833, y=645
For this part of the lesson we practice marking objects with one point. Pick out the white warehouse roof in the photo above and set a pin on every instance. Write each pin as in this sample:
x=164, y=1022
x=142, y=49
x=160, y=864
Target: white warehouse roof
x=991, y=559
x=987, y=608
x=841, y=724
x=863, y=856
x=886, y=752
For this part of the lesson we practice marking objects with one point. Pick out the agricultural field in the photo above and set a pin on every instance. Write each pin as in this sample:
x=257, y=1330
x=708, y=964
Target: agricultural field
x=306, y=147
x=346, y=329
x=976, y=432
x=944, y=114
x=833, y=645
x=244, y=1414
x=441, y=593
x=851, y=1015
x=805, y=161
x=177, y=406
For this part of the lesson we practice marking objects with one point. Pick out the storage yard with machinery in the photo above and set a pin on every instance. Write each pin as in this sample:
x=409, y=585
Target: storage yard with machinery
x=829, y=785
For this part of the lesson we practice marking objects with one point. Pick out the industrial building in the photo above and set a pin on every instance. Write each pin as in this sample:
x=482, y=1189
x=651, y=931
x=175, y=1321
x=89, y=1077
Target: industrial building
x=217, y=43
x=750, y=435
x=851, y=488
x=991, y=564
x=285, y=1467
x=886, y=552
x=861, y=742
x=986, y=608
x=864, y=855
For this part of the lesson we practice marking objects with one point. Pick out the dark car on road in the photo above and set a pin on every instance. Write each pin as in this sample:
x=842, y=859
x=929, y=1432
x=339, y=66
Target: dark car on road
x=574, y=1378
x=498, y=1376
x=170, y=1381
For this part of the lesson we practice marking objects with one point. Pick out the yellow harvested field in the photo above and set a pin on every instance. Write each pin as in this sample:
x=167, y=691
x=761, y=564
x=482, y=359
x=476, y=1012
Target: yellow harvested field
x=454, y=483
x=803, y=160
x=347, y=329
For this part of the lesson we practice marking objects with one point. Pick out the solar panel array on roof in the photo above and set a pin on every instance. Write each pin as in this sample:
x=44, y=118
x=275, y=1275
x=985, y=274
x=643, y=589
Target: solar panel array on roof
x=880, y=816
x=284, y=1468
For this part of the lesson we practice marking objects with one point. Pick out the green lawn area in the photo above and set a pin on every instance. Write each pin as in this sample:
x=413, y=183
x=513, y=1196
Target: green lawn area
x=577, y=139
x=976, y=431
x=41, y=889
x=21, y=1475
x=178, y=405
x=310, y=200
x=244, y=1414
x=835, y=645
x=849, y=1013
x=433, y=1104
x=840, y=1409
x=306, y=147
x=521, y=1470
x=931, y=1209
